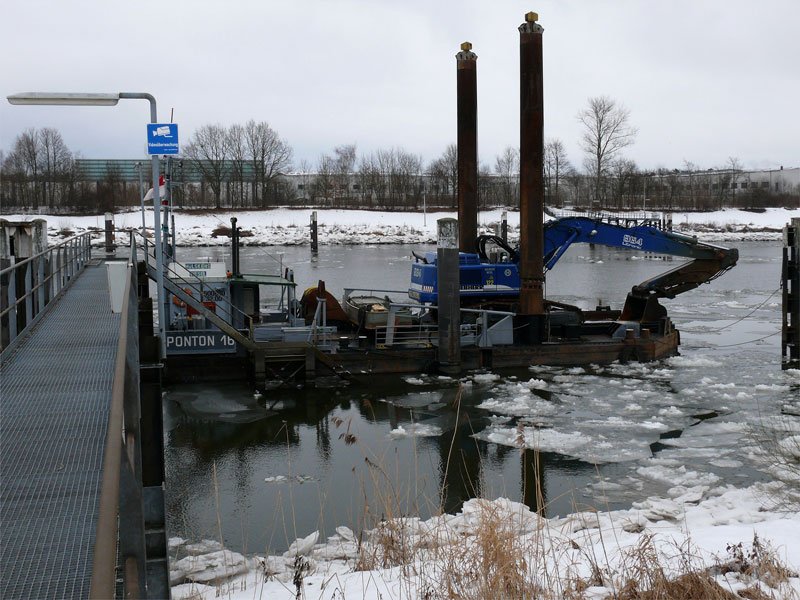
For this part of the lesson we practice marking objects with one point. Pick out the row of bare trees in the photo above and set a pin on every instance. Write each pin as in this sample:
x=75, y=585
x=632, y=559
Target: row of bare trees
x=242, y=161
x=250, y=166
x=39, y=171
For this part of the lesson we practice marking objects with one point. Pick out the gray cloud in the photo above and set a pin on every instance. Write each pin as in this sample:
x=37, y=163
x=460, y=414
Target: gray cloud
x=703, y=80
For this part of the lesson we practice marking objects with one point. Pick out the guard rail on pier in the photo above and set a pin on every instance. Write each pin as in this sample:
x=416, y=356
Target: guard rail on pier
x=28, y=286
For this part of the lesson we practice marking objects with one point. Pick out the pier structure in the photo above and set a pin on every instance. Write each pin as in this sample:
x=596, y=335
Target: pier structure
x=81, y=459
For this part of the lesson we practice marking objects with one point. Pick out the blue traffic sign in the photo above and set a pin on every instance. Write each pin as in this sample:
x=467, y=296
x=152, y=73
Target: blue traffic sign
x=162, y=138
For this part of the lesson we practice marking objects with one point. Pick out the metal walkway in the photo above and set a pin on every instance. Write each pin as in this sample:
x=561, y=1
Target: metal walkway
x=55, y=394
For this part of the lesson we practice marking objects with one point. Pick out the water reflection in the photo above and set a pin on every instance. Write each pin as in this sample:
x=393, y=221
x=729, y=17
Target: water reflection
x=331, y=457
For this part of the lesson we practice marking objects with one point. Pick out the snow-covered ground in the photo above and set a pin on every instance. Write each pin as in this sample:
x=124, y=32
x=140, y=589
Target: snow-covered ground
x=407, y=558
x=288, y=227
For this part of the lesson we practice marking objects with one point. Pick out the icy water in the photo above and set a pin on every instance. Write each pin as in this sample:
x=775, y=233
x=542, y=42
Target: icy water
x=259, y=472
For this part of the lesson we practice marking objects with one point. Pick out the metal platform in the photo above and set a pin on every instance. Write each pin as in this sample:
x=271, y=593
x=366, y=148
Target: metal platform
x=55, y=394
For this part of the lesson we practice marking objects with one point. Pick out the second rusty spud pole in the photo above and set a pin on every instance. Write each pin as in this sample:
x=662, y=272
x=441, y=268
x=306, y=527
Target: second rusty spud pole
x=531, y=199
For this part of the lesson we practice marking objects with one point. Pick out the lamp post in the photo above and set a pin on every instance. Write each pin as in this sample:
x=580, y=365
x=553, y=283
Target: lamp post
x=82, y=99
x=141, y=197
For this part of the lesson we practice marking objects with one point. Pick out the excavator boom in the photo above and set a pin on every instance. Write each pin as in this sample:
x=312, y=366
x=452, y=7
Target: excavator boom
x=489, y=275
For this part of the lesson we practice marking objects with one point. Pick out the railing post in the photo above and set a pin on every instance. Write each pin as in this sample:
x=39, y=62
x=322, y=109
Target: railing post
x=41, y=282
x=58, y=273
x=484, y=340
x=70, y=258
x=391, y=321
x=12, y=306
x=28, y=294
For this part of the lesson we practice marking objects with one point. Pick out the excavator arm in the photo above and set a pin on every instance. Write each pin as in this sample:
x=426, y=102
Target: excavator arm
x=709, y=262
x=494, y=273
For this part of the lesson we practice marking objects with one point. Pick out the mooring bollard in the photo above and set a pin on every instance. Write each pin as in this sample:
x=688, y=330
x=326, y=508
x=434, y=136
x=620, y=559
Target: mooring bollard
x=109, y=233
x=790, y=305
x=314, y=240
x=449, y=301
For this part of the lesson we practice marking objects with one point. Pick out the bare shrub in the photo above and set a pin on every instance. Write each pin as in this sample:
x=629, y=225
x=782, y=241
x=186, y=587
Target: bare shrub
x=225, y=231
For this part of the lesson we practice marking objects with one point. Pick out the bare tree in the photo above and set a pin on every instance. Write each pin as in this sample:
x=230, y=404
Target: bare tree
x=556, y=166
x=344, y=163
x=444, y=172
x=405, y=176
x=372, y=183
x=304, y=188
x=208, y=150
x=55, y=159
x=506, y=166
x=734, y=166
x=624, y=173
x=690, y=169
x=324, y=181
x=27, y=151
x=606, y=132
x=270, y=156
x=237, y=147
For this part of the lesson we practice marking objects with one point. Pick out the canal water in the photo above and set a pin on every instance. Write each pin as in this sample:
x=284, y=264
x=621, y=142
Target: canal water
x=257, y=469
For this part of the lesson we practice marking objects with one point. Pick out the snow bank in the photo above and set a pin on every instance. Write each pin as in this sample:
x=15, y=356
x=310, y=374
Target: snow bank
x=406, y=557
x=289, y=227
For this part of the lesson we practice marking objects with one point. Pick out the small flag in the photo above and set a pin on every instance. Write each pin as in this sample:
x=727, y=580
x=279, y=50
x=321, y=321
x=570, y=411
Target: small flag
x=162, y=191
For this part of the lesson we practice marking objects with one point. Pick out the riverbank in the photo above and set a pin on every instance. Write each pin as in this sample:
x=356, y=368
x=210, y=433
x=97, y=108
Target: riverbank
x=290, y=227
x=738, y=541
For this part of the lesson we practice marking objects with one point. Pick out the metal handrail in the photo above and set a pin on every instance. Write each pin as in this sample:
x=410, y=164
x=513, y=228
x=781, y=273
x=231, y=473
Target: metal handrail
x=105, y=547
x=46, y=274
x=399, y=335
x=121, y=465
x=198, y=287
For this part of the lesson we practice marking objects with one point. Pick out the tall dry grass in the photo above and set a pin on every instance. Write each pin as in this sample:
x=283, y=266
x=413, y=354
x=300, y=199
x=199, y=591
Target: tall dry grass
x=502, y=551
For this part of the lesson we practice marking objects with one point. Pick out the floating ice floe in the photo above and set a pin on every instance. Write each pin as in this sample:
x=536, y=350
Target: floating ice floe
x=288, y=479
x=415, y=430
x=302, y=546
x=484, y=378
x=212, y=566
x=693, y=361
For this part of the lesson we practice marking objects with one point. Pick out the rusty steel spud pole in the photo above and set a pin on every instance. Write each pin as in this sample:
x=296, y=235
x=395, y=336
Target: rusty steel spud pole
x=531, y=159
x=467, y=142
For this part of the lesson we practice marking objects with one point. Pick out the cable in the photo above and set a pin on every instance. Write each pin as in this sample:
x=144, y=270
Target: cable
x=749, y=341
x=742, y=318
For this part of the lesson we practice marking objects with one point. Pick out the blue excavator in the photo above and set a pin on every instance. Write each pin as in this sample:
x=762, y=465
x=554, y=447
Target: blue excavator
x=490, y=277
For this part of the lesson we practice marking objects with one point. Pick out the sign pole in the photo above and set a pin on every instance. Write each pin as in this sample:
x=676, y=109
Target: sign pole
x=162, y=138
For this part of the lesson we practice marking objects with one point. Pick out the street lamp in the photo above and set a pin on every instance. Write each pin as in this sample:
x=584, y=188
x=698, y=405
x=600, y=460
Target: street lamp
x=138, y=167
x=83, y=99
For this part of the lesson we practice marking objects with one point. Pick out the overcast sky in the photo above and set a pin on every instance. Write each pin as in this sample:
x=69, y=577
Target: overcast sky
x=703, y=79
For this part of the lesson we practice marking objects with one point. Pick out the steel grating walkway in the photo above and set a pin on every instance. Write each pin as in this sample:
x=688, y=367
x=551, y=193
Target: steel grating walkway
x=55, y=393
